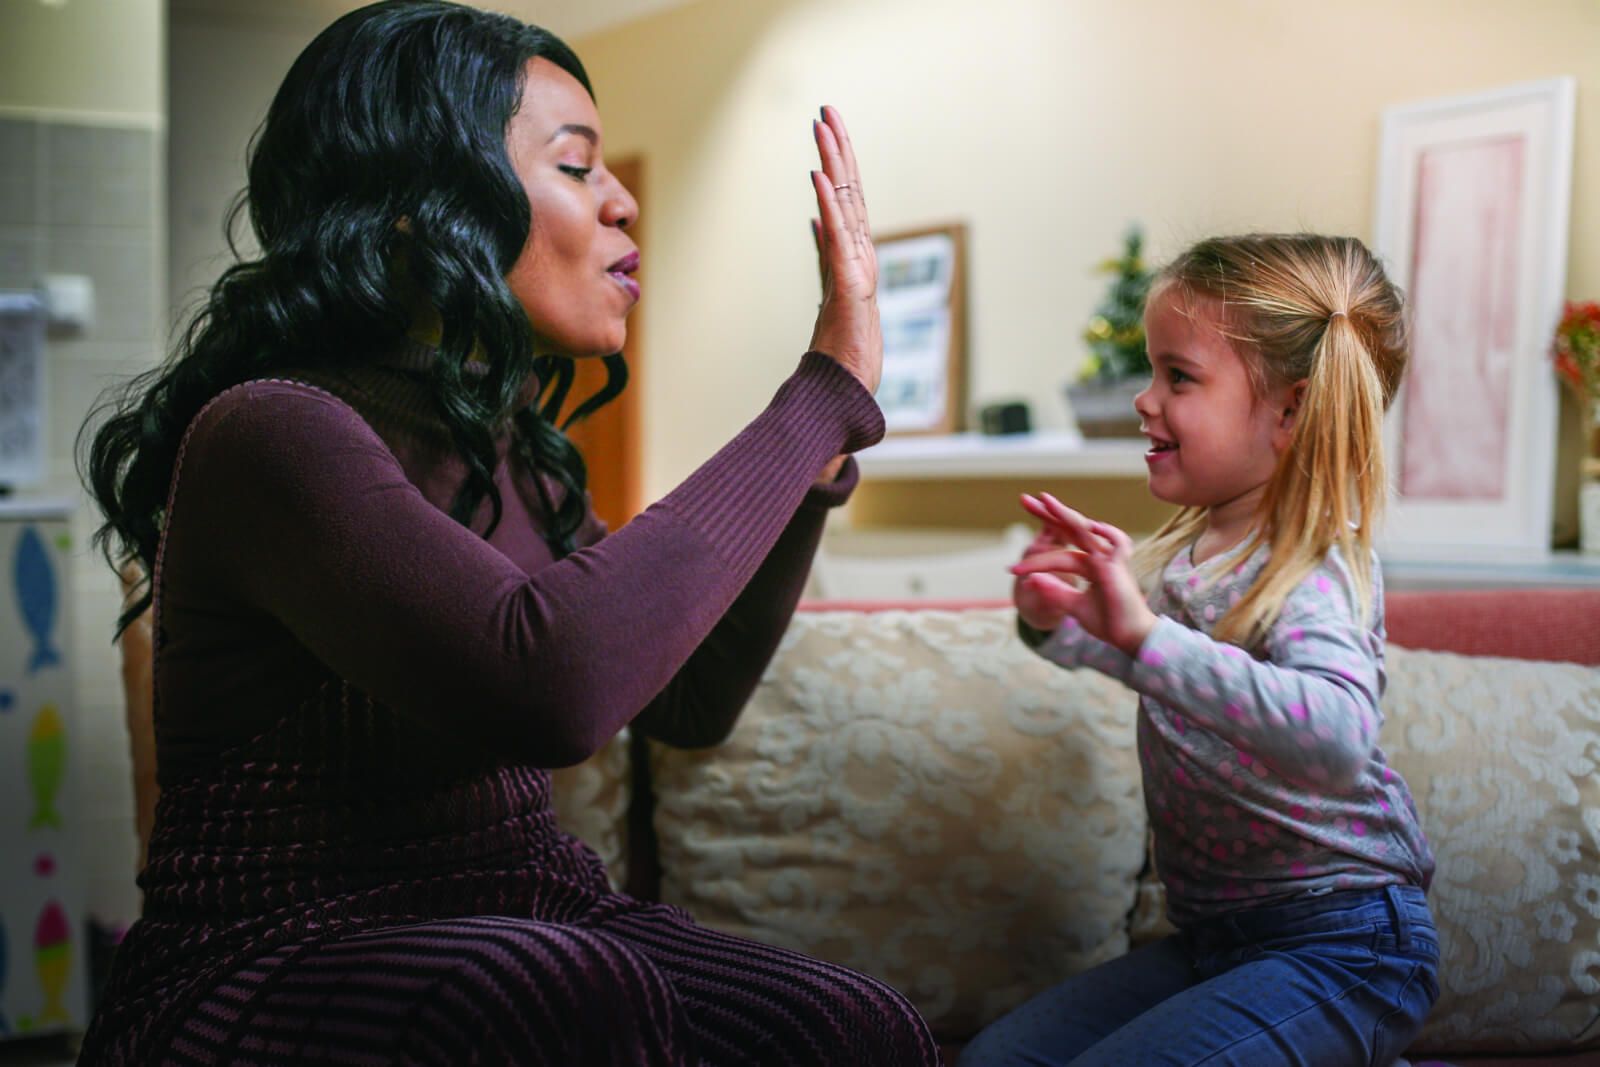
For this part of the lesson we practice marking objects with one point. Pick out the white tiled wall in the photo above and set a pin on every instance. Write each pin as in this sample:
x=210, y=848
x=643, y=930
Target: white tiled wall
x=81, y=198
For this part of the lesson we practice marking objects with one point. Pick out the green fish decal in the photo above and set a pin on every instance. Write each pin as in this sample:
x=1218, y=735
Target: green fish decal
x=47, y=763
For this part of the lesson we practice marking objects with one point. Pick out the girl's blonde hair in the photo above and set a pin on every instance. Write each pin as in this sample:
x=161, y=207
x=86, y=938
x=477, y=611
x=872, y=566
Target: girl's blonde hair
x=1300, y=307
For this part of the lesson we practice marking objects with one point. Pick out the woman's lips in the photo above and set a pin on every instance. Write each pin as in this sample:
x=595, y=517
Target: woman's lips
x=622, y=272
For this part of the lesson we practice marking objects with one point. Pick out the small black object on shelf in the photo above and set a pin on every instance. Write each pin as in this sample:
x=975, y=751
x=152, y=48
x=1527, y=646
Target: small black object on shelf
x=1006, y=418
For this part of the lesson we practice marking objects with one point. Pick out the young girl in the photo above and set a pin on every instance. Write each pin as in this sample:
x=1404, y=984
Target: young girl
x=1292, y=856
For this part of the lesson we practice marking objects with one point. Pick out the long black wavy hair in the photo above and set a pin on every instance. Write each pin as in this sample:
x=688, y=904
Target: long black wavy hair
x=379, y=181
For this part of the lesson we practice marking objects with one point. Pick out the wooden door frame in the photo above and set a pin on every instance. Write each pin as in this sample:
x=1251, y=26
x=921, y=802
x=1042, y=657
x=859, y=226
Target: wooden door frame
x=630, y=172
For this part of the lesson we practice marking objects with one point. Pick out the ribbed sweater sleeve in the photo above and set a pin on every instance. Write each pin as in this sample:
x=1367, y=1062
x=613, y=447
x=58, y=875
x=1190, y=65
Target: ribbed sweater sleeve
x=702, y=702
x=742, y=516
x=294, y=507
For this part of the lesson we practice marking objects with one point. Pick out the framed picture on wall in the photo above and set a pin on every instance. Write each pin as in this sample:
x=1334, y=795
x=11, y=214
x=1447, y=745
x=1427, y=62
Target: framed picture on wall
x=922, y=301
x=22, y=429
x=1472, y=213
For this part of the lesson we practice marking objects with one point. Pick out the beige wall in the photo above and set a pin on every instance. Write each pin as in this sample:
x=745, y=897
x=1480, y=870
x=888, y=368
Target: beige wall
x=223, y=75
x=1046, y=125
x=100, y=58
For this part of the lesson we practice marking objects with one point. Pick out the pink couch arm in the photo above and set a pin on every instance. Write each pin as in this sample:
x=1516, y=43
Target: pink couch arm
x=1547, y=624
x=1542, y=624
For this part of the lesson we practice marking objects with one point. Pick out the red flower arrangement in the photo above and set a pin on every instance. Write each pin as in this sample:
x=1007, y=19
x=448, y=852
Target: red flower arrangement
x=1576, y=349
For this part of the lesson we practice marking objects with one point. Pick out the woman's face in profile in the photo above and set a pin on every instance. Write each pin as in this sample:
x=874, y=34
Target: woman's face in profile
x=575, y=276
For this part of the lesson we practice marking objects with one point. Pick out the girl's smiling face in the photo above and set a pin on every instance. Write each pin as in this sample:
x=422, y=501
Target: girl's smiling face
x=574, y=277
x=1214, y=439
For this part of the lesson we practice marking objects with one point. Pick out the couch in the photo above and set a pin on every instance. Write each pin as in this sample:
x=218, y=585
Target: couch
x=912, y=793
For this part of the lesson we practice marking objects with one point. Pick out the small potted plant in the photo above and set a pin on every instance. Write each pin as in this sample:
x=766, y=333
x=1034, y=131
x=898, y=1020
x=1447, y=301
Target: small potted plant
x=1118, y=366
x=1576, y=351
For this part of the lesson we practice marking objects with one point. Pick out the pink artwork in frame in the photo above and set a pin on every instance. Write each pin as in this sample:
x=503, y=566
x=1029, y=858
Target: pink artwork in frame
x=1463, y=304
x=1473, y=206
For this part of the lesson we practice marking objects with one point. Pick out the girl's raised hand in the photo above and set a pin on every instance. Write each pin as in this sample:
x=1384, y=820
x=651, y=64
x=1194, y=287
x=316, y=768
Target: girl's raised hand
x=847, y=322
x=1043, y=601
x=1110, y=605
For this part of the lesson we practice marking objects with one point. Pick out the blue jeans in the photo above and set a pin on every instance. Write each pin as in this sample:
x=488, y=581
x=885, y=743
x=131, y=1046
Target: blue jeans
x=1342, y=980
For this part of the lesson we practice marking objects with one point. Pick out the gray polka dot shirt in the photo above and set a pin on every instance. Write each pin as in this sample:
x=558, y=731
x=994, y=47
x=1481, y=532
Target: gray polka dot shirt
x=1262, y=772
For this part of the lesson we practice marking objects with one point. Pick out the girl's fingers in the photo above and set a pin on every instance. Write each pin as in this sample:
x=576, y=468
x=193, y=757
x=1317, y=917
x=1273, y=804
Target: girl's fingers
x=1040, y=510
x=1076, y=526
x=1055, y=593
x=1089, y=538
x=1063, y=513
x=1121, y=543
x=1059, y=561
x=1044, y=541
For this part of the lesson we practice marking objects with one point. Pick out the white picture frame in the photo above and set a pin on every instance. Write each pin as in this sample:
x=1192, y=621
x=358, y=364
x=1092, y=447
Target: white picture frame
x=1472, y=207
x=22, y=389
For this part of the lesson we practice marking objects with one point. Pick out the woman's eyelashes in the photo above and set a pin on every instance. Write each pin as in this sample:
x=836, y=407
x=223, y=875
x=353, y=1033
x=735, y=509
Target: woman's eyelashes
x=575, y=172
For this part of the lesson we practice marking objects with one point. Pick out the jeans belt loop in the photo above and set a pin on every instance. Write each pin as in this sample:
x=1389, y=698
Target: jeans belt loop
x=1402, y=924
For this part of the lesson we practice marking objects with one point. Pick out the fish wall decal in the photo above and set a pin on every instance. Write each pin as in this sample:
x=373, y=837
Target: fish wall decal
x=46, y=758
x=34, y=579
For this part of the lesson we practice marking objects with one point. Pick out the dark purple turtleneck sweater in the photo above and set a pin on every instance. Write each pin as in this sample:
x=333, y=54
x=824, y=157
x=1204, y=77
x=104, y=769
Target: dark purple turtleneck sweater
x=357, y=696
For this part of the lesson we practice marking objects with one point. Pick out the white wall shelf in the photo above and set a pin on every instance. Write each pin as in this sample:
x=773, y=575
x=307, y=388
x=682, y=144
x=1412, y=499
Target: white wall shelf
x=1562, y=569
x=1031, y=455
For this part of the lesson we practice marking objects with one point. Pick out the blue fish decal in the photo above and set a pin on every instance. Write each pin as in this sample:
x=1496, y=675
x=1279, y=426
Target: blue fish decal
x=36, y=595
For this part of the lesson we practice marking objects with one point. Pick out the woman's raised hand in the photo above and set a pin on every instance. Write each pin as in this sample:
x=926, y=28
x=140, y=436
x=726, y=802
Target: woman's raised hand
x=847, y=322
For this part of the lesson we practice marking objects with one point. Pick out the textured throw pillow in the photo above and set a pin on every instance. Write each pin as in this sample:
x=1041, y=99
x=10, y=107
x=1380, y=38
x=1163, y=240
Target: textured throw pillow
x=591, y=803
x=1503, y=759
x=918, y=796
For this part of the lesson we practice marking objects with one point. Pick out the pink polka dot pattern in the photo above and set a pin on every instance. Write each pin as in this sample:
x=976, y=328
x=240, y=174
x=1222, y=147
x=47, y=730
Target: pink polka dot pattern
x=1279, y=784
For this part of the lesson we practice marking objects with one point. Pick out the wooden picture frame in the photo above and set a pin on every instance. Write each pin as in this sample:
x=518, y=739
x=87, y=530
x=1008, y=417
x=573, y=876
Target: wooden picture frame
x=1473, y=201
x=922, y=300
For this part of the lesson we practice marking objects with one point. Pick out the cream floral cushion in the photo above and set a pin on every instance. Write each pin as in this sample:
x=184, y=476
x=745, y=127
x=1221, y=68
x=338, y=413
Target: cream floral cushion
x=1501, y=756
x=918, y=796
x=1503, y=760
x=591, y=803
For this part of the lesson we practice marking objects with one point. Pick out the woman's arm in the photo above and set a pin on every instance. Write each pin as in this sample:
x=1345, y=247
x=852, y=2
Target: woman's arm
x=290, y=505
x=703, y=701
